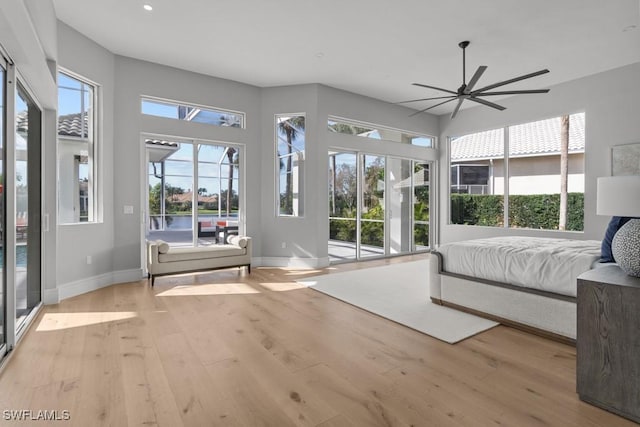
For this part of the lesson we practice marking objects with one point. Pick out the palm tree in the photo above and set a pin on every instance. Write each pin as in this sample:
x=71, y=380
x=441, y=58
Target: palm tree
x=290, y=127
x=564, y=171
x=233, y=160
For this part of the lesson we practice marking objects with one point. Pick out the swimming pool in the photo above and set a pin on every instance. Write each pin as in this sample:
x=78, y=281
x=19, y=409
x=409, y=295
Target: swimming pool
x=21, y=256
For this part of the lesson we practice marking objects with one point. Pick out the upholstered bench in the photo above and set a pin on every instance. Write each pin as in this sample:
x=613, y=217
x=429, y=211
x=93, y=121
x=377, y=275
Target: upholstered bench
x=164, y=260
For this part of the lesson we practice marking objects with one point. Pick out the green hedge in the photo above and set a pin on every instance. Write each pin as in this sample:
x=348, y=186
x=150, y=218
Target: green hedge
x=539, y=211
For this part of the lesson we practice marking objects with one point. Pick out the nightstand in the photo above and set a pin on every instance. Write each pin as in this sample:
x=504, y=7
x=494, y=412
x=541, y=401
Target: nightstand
x=608, y=340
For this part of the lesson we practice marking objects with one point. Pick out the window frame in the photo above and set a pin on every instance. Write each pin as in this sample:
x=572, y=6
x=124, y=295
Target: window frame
x=278, y=157
x=376, y=127
x=176, y=103
x=507, y=173
x=94, y=149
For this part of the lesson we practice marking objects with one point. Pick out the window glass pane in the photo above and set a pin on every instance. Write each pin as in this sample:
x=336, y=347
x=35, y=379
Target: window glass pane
x=65, y=81
x=76, y=150
x=536, y=174
x=420, y=205
x=290, y=145
x=372, y=216
x=343, y=206
x=477, y=178
x=212, y=116
x=349, y=127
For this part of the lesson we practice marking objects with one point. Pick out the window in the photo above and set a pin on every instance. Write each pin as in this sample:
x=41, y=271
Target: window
x=350, y=127
x=290, y=145
x=192, y=113
x=534, y=172
x=77, y=131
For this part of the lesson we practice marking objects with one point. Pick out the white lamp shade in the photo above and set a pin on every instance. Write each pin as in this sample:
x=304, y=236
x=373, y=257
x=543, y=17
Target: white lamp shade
x=619, y=196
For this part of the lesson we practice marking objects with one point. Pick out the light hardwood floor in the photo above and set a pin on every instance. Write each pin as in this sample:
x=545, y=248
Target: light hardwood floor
x=227, y=348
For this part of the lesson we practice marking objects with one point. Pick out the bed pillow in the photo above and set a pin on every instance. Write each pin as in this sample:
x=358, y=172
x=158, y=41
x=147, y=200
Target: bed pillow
x=614, y=225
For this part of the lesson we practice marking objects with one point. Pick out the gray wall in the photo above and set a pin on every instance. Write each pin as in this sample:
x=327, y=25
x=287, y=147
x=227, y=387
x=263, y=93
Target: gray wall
x=611, y=102
x=136, y=78
x=80, y=55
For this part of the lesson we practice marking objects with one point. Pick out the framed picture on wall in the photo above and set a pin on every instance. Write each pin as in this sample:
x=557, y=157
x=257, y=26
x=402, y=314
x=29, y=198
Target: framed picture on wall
x=625, y=159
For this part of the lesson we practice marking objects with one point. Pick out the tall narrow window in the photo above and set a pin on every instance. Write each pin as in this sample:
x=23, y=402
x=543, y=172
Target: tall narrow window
x=290, y=145
x=77, y=188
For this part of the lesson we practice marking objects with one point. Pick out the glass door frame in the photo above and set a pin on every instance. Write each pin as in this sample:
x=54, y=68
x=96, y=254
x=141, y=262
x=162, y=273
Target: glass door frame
x=387, y=203
x=15, y=328
x=195, y=143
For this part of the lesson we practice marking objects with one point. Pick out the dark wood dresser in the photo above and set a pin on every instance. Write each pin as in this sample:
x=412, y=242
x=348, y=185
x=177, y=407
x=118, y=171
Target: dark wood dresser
x=608, y=340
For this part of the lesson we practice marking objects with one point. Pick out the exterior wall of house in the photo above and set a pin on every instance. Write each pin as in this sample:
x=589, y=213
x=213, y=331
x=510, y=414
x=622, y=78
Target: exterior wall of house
x=610, y=101
x=534, y=175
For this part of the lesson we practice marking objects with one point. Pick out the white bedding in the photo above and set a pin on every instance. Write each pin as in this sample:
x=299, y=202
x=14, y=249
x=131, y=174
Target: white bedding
x=551, y=265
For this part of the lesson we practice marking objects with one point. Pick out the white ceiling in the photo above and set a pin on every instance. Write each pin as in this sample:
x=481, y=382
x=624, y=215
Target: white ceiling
x=375, y=48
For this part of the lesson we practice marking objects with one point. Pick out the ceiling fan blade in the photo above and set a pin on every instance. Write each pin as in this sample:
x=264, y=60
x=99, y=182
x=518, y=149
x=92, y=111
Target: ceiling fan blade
x=455, y=110
x=429, y=108
x=513, y=80
x=481, y=69
x=487, y=103
x=512, y=92
x=425, y=99
x=436, y=88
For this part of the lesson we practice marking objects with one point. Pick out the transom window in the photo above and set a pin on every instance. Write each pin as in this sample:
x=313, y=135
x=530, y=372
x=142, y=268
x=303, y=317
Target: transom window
x=367, y=130
x=192, y=113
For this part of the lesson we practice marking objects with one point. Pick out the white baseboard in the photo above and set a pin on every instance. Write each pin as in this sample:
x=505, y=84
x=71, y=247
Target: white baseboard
x=284, y=262
x=79, y=287
x=50, y=296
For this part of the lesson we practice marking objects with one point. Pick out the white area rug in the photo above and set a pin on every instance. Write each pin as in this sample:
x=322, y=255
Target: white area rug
x=400, y=292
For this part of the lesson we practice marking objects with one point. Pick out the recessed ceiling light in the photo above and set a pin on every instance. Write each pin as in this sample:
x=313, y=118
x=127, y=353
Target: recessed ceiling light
x=148, y=7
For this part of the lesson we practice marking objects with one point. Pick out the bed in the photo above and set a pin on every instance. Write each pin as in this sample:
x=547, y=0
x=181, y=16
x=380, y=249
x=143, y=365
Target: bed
x=526, y=282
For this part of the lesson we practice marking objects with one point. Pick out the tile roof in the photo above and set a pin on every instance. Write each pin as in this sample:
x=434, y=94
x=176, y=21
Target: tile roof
x=71, y=125
x=161, y=143
x=529, y=139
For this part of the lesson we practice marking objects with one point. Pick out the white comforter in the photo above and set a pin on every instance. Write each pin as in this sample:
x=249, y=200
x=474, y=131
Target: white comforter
x=551, y=265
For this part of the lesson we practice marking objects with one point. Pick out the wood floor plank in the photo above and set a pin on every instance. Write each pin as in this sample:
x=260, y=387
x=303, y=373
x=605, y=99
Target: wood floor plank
x=254, y=404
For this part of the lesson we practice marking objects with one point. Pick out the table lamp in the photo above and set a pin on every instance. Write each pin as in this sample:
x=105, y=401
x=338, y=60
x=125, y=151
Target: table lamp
x=620, y=196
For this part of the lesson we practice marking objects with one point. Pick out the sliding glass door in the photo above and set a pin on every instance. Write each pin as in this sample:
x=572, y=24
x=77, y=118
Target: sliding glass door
x=378, y=206
x=3, y=301
x=400, y=201
x=20, y=206
x=343, y=206
x=26, y=258
x=372, y=206
x=194, y=191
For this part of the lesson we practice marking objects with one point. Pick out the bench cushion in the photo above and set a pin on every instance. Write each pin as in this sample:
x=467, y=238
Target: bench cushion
x=189, y=254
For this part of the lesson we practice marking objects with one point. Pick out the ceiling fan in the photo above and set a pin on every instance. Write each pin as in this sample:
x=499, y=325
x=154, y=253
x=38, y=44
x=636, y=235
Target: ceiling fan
x=466, y=91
